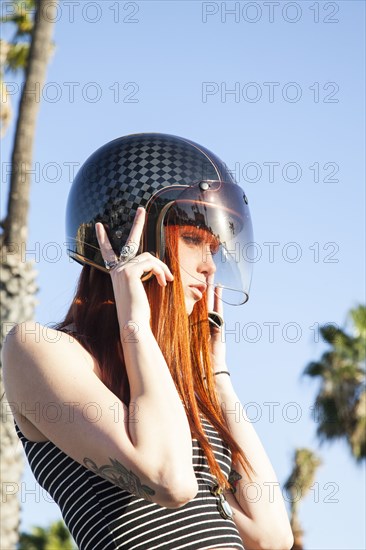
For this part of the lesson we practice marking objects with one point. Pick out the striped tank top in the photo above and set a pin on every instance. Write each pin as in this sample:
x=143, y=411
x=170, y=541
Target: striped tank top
x=102, y=516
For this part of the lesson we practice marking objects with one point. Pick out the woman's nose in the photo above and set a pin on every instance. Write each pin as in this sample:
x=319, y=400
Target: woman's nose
x=207, y=264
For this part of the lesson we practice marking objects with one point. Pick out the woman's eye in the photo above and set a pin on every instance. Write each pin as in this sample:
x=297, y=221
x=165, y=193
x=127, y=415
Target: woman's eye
x=191, y=239
x=197, y=240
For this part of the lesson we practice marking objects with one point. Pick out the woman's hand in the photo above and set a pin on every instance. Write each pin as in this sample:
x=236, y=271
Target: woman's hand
x=131, y=299
x=218, y=347
x=223, y=383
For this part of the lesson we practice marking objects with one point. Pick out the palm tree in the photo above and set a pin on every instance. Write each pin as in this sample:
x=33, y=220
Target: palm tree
x=17, y=279
x=305, y=464
x=14, y=54
x=341, y=402
x=54, y=537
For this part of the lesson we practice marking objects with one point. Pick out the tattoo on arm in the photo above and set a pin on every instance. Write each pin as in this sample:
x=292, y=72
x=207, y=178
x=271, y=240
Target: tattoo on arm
x=122, y=477
x=234, y=477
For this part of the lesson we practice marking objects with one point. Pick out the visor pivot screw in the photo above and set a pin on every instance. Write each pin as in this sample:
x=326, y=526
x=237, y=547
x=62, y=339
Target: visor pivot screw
x=245, y=198
x=204, y=185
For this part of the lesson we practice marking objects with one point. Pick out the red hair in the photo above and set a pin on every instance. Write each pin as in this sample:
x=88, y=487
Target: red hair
x=183, y=340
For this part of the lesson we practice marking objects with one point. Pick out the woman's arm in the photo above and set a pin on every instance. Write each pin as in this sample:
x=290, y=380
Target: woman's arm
x=260, y=512
x=160, y=429
x=161, y=435
x=146, y=450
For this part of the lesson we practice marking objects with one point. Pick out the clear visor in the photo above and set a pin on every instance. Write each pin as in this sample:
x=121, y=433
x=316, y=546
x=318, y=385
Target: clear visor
x=215, y=225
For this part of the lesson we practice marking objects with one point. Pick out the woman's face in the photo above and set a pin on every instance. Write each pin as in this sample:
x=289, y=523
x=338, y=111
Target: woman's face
x=195, y=248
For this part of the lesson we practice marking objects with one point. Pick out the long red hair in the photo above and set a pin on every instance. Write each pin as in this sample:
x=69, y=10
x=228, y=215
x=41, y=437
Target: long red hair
x=183, y=340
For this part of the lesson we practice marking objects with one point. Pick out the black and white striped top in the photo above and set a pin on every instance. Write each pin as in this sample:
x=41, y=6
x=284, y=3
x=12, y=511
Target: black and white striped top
x=101, y=516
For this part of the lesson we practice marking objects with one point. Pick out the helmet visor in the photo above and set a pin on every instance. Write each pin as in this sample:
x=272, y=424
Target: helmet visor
x=215, y=216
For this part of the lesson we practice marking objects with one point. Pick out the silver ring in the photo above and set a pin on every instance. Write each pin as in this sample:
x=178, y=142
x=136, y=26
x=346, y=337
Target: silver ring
x=215, y=319
x=127, y=253
x=110, y=265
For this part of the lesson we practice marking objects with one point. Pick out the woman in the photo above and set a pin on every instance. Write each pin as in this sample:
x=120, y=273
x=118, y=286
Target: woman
x=126, y=409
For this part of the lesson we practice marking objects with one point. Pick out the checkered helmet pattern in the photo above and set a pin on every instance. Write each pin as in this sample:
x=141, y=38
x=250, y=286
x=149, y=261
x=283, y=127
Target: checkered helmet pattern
x=123, y=175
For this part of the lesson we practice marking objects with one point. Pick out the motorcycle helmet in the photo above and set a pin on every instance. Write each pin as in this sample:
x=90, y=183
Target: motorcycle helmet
x=177, y=181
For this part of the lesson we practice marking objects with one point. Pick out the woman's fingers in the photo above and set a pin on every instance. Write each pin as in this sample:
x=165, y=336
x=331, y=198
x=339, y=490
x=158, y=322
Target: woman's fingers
x=137, y=228
x=214, y=296
x=218, y=305
x=142, y=264
x=210, y=293
x=104, y=244
x=133, y=240
x=139, y=265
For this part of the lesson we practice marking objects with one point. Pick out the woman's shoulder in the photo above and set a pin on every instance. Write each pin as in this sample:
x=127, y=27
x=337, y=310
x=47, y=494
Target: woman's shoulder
x=29, y=334
x=32, y=351
x=30, y=344
x=34, y=332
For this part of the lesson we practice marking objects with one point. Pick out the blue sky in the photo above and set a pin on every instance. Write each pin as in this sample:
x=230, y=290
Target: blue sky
x=279, y=96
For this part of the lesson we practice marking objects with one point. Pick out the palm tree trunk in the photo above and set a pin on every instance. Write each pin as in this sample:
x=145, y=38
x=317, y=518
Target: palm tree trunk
x=297, y=532
x=17, y=279
x=15, y=227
